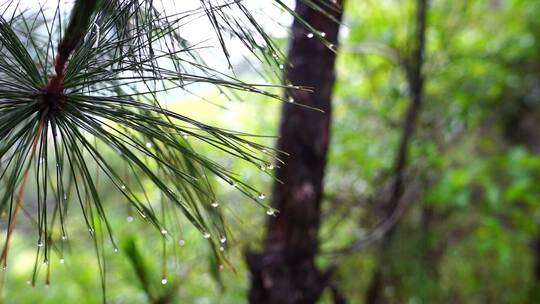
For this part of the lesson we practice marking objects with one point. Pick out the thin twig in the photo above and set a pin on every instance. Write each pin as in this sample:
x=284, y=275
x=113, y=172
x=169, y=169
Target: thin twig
x=20, y=195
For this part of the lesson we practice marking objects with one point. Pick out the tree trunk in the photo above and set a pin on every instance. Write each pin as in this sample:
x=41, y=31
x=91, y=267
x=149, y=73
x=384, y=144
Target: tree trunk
x=414, y=64
x=285, y=271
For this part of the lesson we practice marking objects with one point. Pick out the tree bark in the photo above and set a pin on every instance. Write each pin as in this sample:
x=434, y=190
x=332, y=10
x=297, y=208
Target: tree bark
x=285, y=271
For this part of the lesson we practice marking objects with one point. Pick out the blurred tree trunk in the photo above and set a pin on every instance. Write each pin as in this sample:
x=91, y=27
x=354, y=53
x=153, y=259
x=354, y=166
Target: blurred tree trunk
x=285, y=272
x=383, y=276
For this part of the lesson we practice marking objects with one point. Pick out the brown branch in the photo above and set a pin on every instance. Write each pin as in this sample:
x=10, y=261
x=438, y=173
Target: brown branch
x=78, y=26
x=20, y=195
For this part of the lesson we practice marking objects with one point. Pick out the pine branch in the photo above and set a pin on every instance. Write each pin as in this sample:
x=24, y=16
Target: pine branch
x=81, y=15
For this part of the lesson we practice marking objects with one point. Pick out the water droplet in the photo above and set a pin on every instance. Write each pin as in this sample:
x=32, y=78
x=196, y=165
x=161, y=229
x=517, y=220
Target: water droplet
x=40, y=244
x=291, y=100
x=310, y=35
x=164, y=281
x=270, y=167
x=115, y=249
x=181, y=242
x=130, y=219
x=270, y=211
x=96, y=42
x=123, y=187
x=215, y=204
x=221, y=267
x=221, y=248
x=262, y=196
x=206, y=235
x=281, y=66
x=263, y=168
x=264, y=151
x=62, y=261
x=148, y=145
x=64, y=237
x=223, y=240
x=163, y=231
x=323, y=34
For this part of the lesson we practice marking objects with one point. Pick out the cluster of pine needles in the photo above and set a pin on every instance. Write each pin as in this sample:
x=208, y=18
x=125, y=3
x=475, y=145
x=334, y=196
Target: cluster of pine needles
x=79, y=95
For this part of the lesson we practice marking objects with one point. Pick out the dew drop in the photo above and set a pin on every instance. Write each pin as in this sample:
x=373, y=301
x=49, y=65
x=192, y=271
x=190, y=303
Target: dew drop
x=206, y=235
x=310, y=35
x=215, y=204
x=148, y=145
x=115, y=250
x=262, y=196
x=270, y=167
x=323, y=34
x=263, y=168
x=129, y=219
x=62, y=261
x=123, y=187
x=291, y=100
x=221, y=267
x=181, y=242
x=221, y=248
x=281, y=66
x=164, y=281
x=223, y=240
x=96, y=43
x=40, y=244
x=64, y=237
x=163, y=231
x=270, y=211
